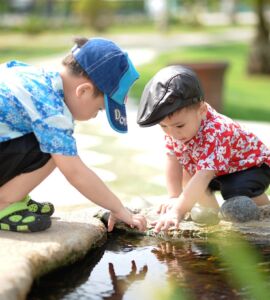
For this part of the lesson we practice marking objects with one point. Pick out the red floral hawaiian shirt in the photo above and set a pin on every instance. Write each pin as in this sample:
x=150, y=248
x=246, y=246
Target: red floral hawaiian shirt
x=221, y=144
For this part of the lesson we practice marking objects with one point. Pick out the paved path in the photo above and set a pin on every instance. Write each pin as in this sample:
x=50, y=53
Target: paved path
x=165, y=42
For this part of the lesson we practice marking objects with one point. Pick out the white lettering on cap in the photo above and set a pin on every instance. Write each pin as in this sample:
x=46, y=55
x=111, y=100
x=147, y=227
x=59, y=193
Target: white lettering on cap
x=119, y=118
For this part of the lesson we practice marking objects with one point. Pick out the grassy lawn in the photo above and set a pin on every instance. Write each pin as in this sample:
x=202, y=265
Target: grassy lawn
x=245, y=96
x=25, y=47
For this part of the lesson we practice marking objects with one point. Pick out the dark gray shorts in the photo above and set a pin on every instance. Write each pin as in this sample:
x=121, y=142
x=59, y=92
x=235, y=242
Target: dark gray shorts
x=251, y=182
x=20, y=155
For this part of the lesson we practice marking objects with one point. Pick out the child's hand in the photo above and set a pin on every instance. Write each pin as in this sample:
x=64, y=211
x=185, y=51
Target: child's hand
x=166, y=205
x=133, y=220
x=167, y=220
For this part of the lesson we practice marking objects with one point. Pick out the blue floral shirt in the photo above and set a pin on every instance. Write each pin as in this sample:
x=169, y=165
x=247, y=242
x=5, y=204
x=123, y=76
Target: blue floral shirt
x=32, y=100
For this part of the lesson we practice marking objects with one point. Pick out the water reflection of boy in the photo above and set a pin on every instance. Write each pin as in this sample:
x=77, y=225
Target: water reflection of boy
x=122, y=283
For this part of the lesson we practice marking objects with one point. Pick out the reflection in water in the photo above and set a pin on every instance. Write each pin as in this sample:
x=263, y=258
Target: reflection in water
x=121, y=283
x=130, y=267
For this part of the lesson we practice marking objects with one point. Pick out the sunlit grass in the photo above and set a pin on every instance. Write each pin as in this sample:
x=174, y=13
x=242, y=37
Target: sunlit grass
x=26, y=47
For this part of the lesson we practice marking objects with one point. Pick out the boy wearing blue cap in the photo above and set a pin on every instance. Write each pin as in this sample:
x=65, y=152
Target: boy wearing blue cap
x=37, y=113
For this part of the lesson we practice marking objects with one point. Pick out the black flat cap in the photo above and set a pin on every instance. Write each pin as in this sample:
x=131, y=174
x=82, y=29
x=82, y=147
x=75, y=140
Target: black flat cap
x=172, y=88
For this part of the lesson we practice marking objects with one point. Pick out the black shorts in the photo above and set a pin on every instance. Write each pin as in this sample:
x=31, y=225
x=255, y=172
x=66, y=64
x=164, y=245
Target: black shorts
x=20, y=155
x=251, y=182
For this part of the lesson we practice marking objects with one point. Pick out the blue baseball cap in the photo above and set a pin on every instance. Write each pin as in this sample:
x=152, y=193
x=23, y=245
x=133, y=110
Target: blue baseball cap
x=112, y=72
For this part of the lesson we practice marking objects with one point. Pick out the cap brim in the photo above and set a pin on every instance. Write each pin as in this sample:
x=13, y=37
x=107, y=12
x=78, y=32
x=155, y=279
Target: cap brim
x=116, y=115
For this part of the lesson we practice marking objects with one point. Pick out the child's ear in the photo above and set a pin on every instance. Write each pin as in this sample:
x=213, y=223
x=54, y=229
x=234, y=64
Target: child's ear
x=85, y=89
x=203, y=108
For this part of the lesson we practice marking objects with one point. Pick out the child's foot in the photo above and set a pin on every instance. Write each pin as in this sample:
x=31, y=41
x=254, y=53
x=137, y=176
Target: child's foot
x=204, y=216
x=40, y=208
x=17, y=217
x=239, y=209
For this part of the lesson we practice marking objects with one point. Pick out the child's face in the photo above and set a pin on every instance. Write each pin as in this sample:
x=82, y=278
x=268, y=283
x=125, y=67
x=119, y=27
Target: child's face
x=184, y=124
x=97, y=104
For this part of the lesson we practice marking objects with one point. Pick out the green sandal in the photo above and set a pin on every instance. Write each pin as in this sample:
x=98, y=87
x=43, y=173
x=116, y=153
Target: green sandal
x=40, y=208
x=16, y=217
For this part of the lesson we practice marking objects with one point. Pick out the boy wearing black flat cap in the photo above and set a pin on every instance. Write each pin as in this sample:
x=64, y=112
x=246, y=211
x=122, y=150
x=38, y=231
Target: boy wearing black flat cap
x=206, y=152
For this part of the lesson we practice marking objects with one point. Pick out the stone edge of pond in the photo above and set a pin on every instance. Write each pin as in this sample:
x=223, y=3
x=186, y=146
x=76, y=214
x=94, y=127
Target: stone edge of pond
x=25, y=257
x=252, y=231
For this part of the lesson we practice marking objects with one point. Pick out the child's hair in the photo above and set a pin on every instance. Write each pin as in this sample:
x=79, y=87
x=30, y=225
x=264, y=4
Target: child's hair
x=75, y=68
x=191, y=106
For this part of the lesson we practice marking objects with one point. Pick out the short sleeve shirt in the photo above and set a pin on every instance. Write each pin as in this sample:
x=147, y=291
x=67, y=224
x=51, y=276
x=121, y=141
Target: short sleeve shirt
x=32, y=101
x=222, y=145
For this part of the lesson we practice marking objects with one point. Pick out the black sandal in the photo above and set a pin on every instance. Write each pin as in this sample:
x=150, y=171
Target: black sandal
x=16, y=217
x=40, y=208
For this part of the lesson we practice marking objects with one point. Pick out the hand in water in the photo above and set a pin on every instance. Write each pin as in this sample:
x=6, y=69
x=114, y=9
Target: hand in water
x=133, y=220
x=170, y=219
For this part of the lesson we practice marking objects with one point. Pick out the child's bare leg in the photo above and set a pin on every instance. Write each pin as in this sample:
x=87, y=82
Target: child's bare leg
x=15, y=189
x=206, y=200
x=261, y=200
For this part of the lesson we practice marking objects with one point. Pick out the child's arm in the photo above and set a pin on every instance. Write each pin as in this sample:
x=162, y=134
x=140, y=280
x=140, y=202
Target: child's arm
x=173, y=174
x=93, y=188
x=197, y=186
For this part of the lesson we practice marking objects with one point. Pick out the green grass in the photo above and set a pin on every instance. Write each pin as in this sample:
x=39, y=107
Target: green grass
x=24, y=53
x=245, y=96
x=26, y=47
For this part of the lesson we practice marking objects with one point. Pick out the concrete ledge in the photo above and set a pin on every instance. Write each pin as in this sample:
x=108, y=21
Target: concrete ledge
x=24, y=257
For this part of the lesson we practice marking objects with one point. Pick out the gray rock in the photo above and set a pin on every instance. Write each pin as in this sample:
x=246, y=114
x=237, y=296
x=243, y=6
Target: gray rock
x=239, y=209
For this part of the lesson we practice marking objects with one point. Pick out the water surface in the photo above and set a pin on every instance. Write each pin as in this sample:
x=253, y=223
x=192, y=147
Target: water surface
x=131, y=267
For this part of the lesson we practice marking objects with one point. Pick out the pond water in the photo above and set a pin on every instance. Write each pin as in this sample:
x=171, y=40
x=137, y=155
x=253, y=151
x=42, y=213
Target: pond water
x=131, y=267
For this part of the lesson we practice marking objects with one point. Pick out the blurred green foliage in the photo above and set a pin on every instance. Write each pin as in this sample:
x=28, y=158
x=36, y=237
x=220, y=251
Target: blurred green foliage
x=96, y=13
x=34, y=25
x=243, y=261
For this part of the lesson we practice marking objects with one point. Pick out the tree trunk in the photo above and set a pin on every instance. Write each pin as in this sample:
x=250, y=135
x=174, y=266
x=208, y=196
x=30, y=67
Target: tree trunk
x=259, y=57
x=49, y=8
